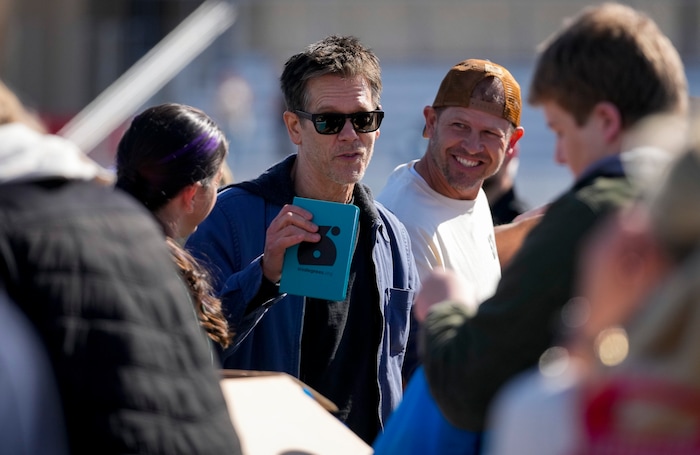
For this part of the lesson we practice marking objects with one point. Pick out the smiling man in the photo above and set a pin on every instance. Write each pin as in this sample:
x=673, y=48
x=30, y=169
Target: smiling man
x=351, y=351
x=472, y=126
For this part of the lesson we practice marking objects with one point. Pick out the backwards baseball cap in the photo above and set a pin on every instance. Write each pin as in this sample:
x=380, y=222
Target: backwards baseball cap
x=457, y=89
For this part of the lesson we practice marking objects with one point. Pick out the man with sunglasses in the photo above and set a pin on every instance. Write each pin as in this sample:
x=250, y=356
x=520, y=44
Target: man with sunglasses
x=351, y=351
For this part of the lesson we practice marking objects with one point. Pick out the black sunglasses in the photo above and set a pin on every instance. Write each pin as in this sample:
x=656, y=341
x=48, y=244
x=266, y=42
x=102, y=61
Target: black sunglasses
x=332, y=123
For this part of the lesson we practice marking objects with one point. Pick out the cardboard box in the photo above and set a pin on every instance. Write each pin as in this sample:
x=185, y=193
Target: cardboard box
x=276, y=414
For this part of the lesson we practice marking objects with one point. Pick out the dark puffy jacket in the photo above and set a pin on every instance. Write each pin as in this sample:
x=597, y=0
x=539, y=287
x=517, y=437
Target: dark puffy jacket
x=91, y=270
x=231, y=240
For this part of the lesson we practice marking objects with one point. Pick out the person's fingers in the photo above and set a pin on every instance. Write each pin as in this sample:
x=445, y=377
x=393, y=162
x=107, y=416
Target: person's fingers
x=291, y=226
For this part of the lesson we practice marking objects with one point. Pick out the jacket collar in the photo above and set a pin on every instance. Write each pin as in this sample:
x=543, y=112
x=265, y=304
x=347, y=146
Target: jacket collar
x=275, y=185
x=642, y=165
x=610, y=166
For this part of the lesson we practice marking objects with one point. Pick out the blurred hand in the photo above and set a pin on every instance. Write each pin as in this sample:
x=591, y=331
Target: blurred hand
x=439, y=286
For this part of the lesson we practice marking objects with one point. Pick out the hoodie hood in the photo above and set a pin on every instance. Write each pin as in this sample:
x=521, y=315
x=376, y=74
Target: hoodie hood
x=28, y=155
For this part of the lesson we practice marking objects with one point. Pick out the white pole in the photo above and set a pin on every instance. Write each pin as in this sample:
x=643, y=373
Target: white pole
x=121, y=99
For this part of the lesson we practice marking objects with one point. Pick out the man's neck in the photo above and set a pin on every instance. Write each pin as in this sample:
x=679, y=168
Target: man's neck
x=306, y=185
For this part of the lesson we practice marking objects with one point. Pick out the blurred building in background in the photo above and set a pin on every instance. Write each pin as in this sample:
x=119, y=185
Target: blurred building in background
x=58, y=55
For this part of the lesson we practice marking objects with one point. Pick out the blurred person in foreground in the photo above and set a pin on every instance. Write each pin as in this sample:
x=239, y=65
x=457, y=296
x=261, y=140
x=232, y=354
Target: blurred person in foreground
x=351, y=351
x=88, y=267
x=171, y=159
x=31, y=415
x=595, y=79
x=625, y=376
x=472, y=127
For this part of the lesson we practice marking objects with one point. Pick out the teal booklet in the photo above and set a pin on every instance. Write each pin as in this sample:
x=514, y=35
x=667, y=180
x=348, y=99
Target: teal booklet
x=321, y=269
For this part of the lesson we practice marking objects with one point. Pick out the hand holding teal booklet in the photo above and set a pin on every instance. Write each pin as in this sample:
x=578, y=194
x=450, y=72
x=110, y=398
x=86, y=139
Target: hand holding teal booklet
x=321, y=269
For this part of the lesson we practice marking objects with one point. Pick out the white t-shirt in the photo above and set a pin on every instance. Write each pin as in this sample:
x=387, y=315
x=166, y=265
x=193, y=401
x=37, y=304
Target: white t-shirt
x=450, y=233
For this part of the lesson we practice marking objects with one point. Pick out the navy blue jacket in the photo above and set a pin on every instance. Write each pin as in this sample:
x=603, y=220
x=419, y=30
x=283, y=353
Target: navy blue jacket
x=231, y=240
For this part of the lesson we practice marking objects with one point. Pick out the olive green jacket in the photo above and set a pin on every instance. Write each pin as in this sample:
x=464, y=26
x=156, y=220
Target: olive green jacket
x=467, y=359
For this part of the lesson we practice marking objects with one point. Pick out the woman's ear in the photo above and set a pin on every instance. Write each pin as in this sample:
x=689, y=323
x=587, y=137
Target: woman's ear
x=186, y=197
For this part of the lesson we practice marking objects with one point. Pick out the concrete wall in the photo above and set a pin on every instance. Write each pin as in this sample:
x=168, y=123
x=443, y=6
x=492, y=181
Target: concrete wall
x=60, y=54
x=409, y=28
